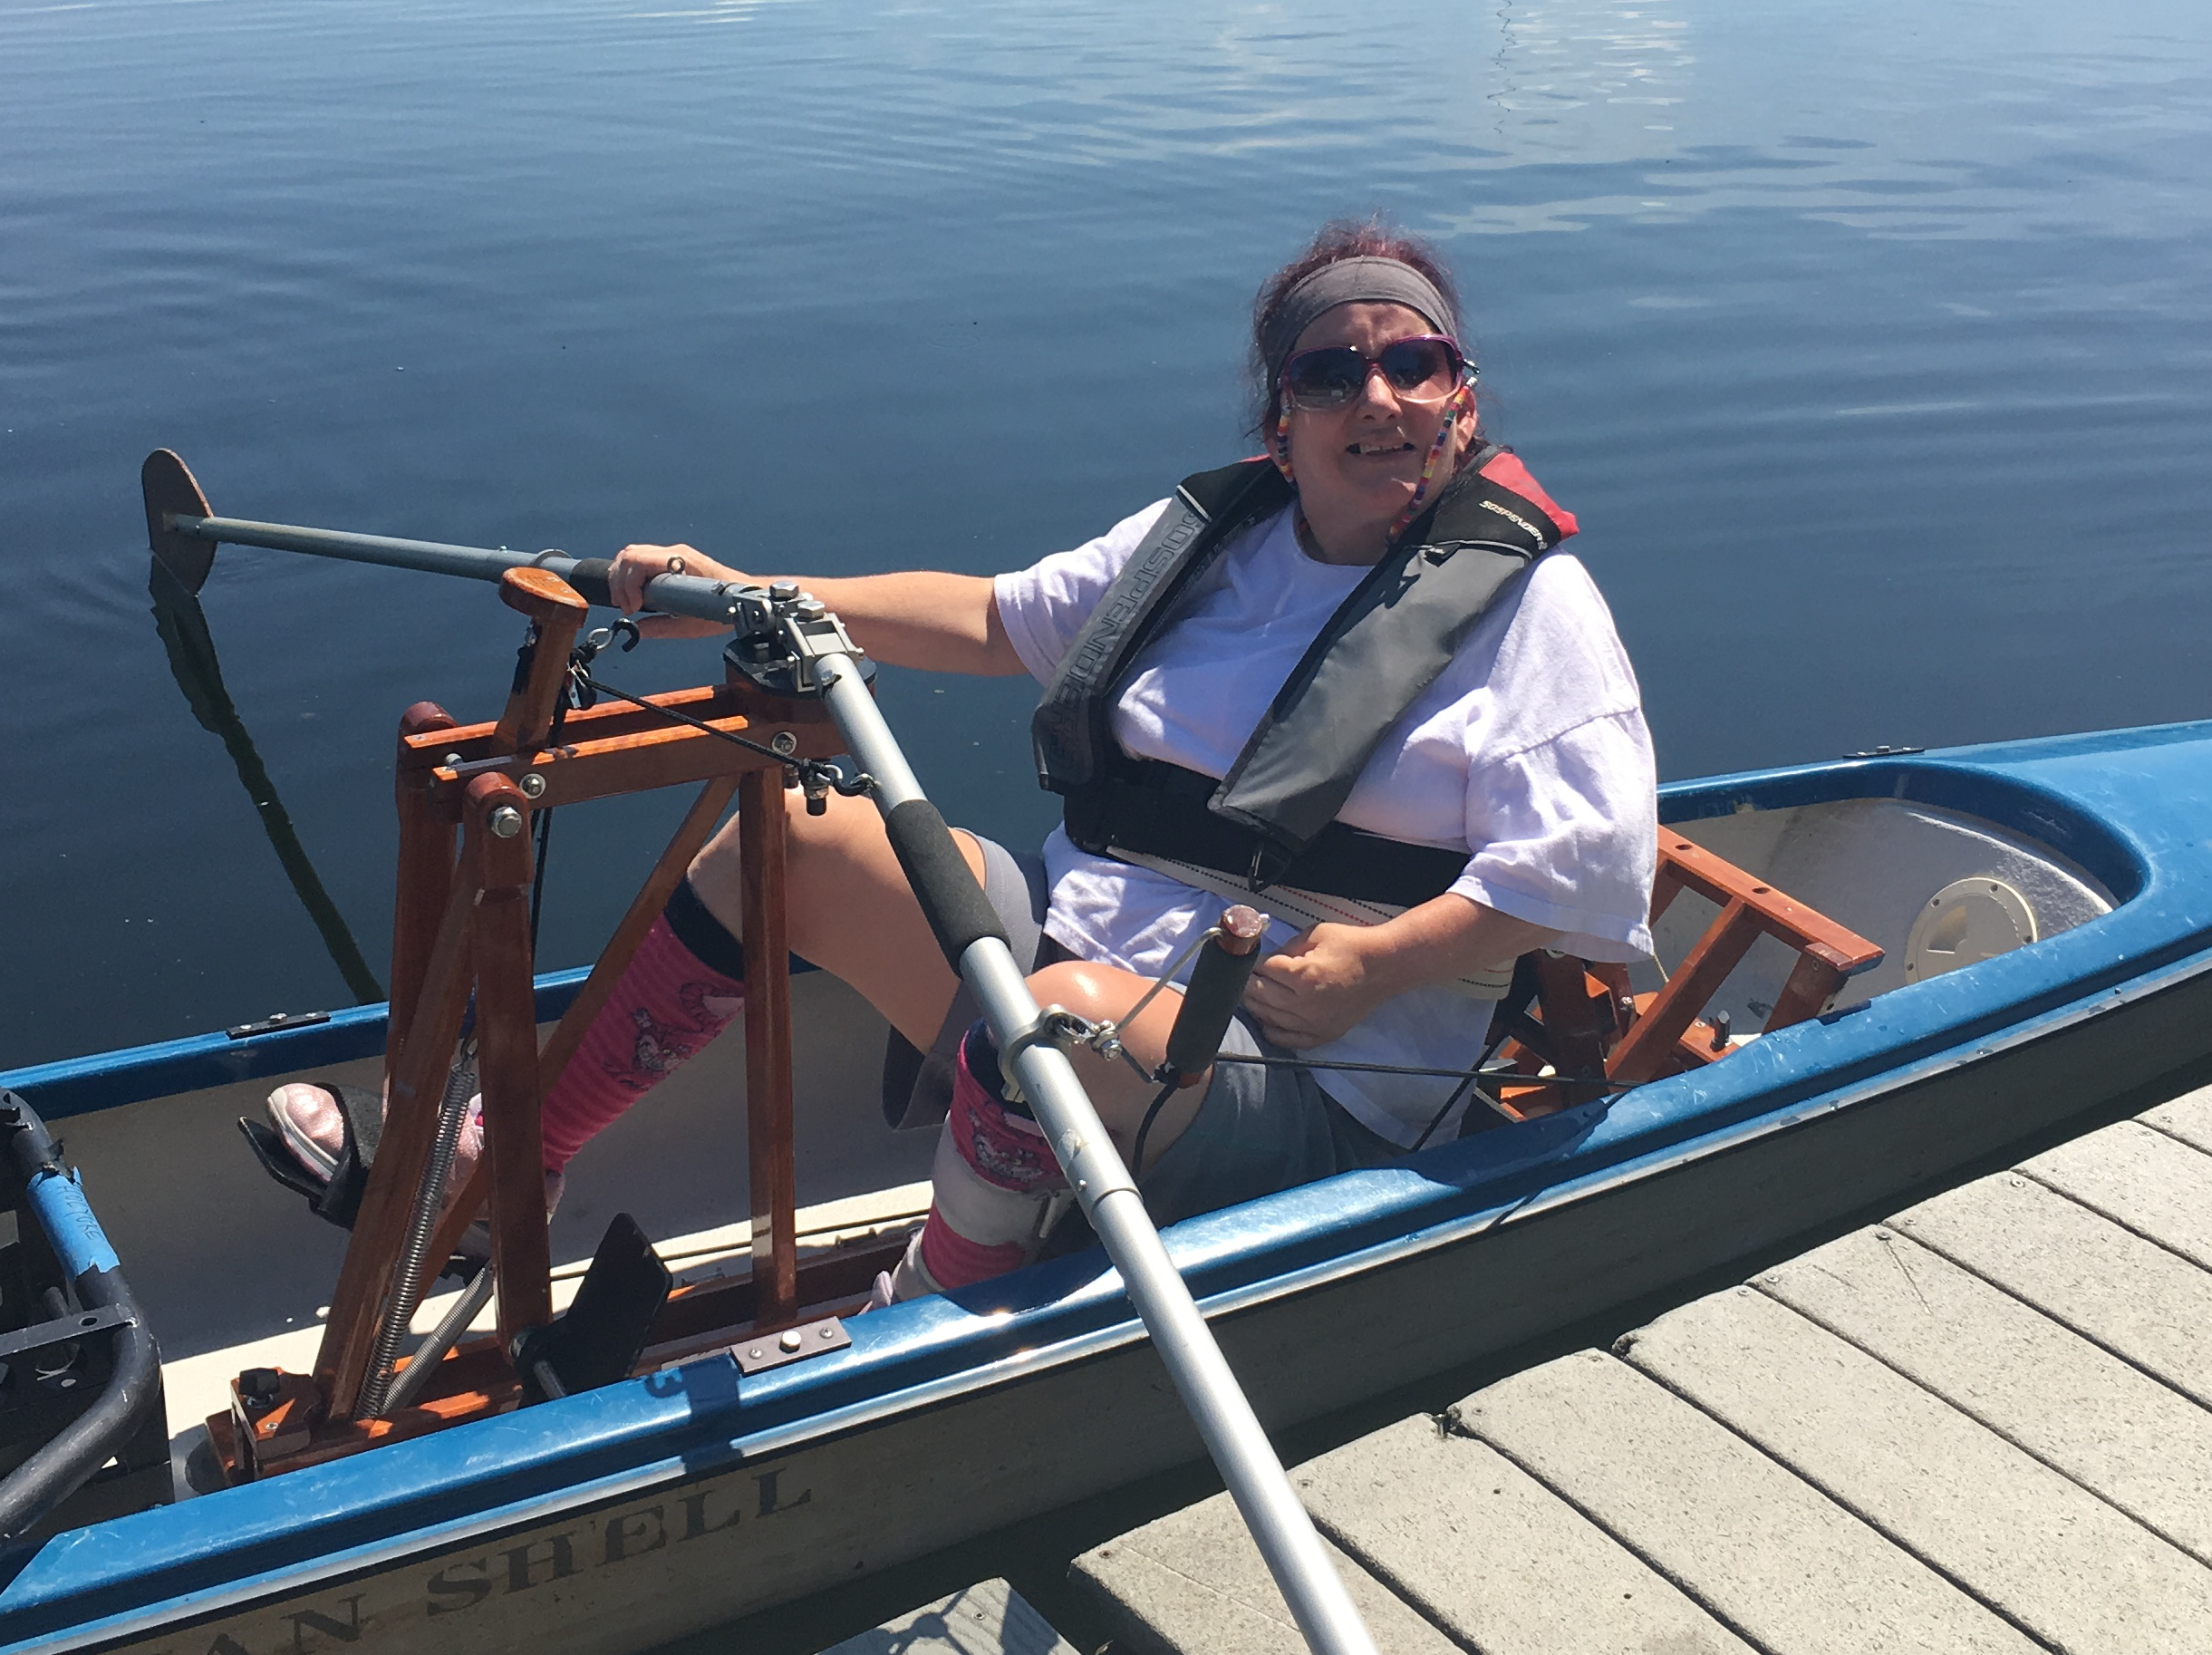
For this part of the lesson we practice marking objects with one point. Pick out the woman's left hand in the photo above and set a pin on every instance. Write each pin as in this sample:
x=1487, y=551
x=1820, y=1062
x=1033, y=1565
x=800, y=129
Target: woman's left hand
x=1312, y=990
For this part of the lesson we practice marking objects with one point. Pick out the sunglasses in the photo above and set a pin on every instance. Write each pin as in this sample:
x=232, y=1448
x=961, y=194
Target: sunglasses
x=1426, y=368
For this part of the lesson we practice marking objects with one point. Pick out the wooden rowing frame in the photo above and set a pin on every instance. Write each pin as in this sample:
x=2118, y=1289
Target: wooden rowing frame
x=466, y=796
x=1591, y=1026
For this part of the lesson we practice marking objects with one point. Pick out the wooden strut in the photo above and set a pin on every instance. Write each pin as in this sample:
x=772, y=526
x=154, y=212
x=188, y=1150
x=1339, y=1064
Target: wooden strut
x=461, y=932
x=1591, y=1024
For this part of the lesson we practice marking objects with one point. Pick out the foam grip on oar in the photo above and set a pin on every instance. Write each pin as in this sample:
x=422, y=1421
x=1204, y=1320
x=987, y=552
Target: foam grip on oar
x=589, y=578
x=951, y=901
x=1217, y=984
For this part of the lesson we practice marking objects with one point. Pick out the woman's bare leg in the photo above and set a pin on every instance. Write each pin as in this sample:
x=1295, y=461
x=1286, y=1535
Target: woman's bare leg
x=851, y=910
x=1119, y=1094
x=853, y=915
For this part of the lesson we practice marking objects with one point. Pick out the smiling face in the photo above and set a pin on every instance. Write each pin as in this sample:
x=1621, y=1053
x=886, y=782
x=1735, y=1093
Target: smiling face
x=1359, y=465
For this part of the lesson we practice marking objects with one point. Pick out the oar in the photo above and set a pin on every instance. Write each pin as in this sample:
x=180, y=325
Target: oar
x=968, y=930
x=174, y=585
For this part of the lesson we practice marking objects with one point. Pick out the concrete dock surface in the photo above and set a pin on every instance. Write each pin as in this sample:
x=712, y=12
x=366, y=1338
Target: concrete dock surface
x=1984, y=1425
x=989, y=1618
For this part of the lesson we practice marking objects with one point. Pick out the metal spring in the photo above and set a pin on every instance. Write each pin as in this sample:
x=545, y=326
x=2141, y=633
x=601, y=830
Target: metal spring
x=407, y=1282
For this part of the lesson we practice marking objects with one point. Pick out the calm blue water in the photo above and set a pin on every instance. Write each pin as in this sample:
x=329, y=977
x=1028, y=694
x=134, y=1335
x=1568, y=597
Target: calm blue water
x=1868, y=341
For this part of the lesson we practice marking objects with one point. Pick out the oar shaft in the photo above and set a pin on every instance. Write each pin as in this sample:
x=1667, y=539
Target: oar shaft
x=431, y=557
x=686, y=595
x=1210, y=1392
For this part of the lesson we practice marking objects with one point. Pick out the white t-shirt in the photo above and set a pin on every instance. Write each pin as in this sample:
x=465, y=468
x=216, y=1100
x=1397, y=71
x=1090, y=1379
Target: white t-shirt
x=1529, y=751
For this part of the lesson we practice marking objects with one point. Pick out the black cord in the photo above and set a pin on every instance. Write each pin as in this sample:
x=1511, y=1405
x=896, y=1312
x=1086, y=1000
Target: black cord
x=1144, y=1130
x=1360, y=1068
x=541, y=832
x=542, y=836
x=1490, y=1050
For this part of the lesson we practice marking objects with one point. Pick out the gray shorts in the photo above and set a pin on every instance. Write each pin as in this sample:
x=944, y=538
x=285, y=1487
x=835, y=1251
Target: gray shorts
x=1259, y=1129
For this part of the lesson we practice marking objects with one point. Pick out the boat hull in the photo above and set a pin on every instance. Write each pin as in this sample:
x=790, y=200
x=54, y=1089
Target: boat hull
x=792, y=1512
x=622, y=1517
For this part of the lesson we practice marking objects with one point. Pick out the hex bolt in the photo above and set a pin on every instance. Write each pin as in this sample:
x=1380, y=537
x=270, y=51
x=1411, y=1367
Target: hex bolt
x=258, y=1388
x=785, y=742
x=533, y=784
x=783, y=592
x=506, y=822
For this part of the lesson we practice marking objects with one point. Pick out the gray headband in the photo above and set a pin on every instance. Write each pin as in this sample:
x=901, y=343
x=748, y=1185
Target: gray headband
x=1365, y=280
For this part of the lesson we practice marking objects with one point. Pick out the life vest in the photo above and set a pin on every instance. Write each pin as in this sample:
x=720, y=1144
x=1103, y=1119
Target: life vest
x=1272, y=820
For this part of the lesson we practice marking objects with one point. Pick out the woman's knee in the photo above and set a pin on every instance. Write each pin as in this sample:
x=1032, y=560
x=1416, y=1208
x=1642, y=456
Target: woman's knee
x=821, y=855
x=1089, y=990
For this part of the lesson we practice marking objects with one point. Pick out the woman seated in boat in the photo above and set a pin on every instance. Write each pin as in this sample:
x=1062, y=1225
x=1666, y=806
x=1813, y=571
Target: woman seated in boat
x=1436, y=761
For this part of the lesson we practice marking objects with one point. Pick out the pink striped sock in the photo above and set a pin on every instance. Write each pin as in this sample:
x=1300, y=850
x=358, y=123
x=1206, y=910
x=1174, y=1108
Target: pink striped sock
x=666, y=1006
x=993, y=1175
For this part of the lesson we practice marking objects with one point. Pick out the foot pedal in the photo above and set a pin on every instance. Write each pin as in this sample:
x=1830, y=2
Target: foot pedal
x=604, y=1331
x=362, y=1112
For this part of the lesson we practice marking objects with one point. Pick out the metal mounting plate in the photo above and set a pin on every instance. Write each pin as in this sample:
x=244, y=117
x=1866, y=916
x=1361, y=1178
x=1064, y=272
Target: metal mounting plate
x=792, y=1345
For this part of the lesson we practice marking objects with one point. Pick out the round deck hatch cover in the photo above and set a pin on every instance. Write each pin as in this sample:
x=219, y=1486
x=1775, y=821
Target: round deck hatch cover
x=1967, y=921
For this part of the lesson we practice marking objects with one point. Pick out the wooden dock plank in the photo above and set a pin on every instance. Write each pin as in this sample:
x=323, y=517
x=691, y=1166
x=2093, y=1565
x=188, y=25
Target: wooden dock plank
x=989, y=1618
x=1491, y=1556
x=2044, y=1551
x=2107, y=1283
x=1193, y=1583
x=2141, y=1445
x=2188, y=1118
x=1786, y=1565
x=2154, y=1184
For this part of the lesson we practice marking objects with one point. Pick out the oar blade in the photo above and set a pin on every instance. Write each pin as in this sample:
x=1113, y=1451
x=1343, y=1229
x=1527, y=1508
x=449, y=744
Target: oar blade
x=171, y=492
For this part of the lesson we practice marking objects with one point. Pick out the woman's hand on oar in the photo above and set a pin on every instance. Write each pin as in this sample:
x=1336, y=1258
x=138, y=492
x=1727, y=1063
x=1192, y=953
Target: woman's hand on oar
x=634, y=565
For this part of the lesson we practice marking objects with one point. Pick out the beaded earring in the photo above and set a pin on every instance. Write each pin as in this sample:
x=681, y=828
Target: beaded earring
x=1452, y=410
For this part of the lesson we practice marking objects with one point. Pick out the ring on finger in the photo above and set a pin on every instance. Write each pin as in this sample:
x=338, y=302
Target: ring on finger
x=675, y=565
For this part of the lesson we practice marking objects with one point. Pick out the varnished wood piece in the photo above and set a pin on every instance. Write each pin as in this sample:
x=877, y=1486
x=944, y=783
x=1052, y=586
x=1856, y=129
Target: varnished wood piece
x=474, y=1382
x=1686, y=865
x=506, y=1055
x=1580, y=1025
x=1644, y=1054
x=809, y=722
x=426, y=873
x=762, y=835
x=558, y=612
x=411, y=1123
x=1655, y=1035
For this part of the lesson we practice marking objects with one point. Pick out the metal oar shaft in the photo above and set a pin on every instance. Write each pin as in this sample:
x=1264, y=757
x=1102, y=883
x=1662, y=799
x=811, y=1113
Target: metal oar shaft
x=1217, y=1405
x=686, y=595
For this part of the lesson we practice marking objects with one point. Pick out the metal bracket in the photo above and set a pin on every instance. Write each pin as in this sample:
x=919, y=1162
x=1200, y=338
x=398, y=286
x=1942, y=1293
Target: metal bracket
x=277, y=1020
x=1054, y=1026
x=792, y=1345
x=76, y=1325
x=782, y=634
